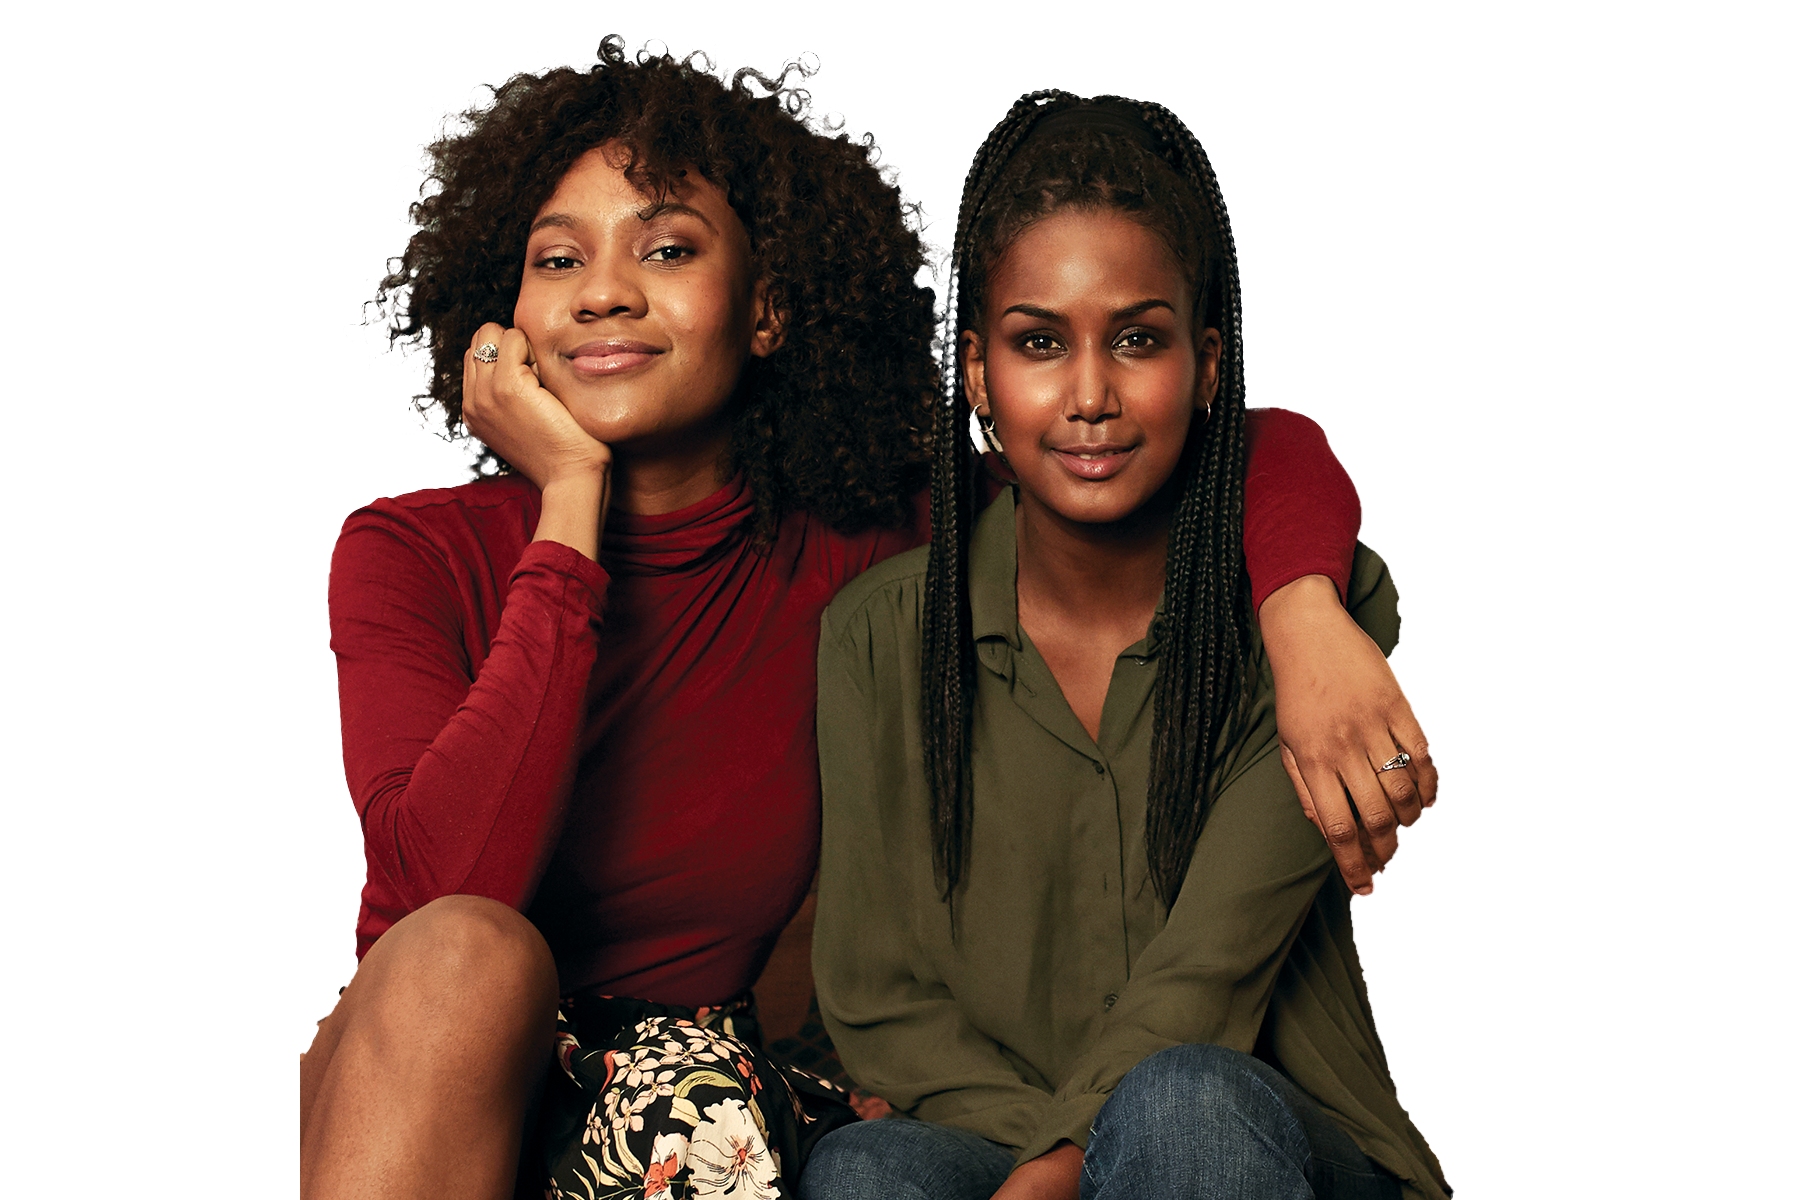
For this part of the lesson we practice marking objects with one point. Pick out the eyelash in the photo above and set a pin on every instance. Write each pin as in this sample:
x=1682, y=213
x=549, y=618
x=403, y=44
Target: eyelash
x=568, y=262
x=1149, y=341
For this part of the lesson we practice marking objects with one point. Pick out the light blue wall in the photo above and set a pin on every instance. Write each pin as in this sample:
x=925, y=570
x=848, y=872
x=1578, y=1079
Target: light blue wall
x=1334, y=146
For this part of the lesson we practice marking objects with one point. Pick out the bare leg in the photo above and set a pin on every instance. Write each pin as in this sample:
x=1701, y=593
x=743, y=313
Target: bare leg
x=418, y=1082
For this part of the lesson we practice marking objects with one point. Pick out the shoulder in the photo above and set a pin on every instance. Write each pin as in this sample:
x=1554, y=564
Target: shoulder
x=887, y=595
x=479, y=500
x=1280, y=422
x=477, y=531
x=497, y=510
x=837, y=556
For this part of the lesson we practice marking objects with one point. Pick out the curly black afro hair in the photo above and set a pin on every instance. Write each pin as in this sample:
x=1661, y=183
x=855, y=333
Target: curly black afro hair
x=837, y=421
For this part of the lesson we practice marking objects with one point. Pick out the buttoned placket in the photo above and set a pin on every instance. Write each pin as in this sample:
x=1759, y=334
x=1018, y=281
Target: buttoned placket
x=1111, y=910
x=1108, y=920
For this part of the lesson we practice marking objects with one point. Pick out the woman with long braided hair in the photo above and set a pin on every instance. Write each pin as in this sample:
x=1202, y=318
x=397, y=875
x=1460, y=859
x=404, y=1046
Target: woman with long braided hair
x=1070, y=914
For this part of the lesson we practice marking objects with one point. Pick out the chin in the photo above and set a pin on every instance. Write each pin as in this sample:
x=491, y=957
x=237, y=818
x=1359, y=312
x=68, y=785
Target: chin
x=1099, y=510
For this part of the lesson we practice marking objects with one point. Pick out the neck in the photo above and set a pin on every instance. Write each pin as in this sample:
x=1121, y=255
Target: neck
x=1110, y=577
x=650, y=484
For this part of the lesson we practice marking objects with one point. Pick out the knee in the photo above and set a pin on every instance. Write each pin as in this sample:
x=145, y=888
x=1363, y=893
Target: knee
x=899, y=1159
x=463, y=960
x=846, y=1160
x=1198, y=1090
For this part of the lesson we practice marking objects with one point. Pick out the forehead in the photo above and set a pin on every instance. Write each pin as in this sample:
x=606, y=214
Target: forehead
x=597, y=187
x=1079, y=255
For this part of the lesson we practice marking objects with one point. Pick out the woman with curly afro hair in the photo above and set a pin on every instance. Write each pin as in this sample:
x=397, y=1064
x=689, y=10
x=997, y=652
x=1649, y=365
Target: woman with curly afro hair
x=578, y=693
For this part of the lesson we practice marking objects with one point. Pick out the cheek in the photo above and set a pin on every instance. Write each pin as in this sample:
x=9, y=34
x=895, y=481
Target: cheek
x=711, y=315
x=1017, y=394
x=1174, y=391
x=529, y=309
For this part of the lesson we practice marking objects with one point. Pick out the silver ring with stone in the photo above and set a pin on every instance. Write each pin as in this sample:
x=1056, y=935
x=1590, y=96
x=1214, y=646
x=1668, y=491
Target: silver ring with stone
x=487, y=352
x=1395, y=763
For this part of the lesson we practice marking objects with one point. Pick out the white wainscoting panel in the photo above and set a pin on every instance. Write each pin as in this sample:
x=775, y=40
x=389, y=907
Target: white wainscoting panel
x=1386, y=396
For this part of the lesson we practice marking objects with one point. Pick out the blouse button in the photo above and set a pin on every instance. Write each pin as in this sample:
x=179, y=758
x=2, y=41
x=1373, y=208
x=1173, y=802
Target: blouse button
x=1099, y=770
x=1112, y=998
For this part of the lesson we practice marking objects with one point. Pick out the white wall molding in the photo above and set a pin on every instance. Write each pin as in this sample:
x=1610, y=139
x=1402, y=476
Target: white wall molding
x=1386, y=396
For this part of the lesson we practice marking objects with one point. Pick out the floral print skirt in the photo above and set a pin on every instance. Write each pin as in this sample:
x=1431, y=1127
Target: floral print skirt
x=658, y=1102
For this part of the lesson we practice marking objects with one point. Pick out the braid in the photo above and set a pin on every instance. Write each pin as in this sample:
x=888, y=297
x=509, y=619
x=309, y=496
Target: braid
x=1203, y=675
x=948, y=646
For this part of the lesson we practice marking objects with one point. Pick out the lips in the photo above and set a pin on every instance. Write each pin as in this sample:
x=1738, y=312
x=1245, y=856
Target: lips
x=1100, y=461
x=611, y=356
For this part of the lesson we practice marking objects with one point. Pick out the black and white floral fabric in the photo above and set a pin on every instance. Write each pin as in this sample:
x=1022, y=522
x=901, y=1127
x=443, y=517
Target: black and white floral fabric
x=665, y=1103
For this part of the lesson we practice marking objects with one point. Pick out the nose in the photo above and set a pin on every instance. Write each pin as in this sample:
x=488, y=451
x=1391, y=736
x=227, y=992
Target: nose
x=609, y=287
x=1094, y=397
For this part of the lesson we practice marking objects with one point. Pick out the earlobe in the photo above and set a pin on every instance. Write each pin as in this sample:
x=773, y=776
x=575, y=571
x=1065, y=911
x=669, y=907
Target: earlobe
x=766, y=334
x=1209, y=348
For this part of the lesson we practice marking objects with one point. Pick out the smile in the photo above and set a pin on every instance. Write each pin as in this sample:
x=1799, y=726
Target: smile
x=610, y=357
x=1098, y=462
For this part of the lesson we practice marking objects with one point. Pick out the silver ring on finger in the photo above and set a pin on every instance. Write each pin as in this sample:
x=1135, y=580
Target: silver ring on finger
x=487, y=352
x=1395, y=763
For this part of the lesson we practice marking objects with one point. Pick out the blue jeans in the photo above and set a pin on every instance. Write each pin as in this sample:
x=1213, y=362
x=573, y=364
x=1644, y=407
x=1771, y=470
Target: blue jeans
x=1194, y=1122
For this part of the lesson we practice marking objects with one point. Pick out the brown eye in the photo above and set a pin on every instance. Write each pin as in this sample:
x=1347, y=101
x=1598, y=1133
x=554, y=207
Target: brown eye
x=669, y=253
x=557, y=262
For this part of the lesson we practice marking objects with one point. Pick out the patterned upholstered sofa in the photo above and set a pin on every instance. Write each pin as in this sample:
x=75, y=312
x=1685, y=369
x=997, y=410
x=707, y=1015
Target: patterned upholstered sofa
x=1406, y=929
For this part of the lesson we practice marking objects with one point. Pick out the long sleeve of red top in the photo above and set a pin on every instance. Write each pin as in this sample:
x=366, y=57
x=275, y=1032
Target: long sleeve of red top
x=458, y=719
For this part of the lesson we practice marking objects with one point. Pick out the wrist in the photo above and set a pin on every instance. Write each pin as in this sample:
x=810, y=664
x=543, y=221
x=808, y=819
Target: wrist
x=1296, y=614
x=1301, y=599
x=573, y=508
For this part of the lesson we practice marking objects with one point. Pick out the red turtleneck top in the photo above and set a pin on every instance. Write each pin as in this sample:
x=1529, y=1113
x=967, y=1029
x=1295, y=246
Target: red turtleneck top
x=625, y=750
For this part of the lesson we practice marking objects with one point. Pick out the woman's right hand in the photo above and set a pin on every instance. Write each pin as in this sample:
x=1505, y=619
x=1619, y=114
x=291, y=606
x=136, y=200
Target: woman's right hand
x=516, y=417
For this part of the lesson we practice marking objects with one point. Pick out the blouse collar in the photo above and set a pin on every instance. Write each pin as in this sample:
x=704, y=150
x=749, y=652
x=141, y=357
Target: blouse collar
x=994, y=573
x=994, y=586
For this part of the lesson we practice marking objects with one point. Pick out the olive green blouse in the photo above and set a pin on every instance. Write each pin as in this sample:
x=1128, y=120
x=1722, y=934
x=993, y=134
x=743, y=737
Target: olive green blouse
x=1065, y=970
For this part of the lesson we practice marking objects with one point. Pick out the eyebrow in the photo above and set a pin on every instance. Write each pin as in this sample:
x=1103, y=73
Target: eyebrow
x=666, y=207
x=1121, y=314
x=554, y=221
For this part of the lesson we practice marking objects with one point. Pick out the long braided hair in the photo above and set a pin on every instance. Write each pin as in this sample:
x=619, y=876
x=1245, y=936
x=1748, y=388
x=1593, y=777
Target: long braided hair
x=1137, y=158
